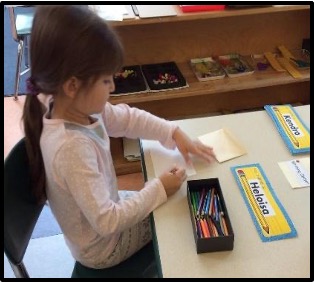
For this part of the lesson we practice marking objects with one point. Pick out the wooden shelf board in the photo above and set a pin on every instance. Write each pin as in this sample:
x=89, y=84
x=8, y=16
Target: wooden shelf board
x=228, y=12
x=258, y=79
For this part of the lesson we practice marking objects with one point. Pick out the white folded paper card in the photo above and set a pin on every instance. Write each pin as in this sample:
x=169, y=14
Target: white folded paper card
x=151, y=11
x=168, y=158
x=224, y=144
x=297, y=172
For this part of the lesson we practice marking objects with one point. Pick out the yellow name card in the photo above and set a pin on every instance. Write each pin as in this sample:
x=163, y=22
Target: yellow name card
x=270, y=218
x=291, y=128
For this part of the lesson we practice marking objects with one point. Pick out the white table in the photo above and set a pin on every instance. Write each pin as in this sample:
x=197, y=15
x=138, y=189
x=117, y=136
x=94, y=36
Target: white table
x=250, y=257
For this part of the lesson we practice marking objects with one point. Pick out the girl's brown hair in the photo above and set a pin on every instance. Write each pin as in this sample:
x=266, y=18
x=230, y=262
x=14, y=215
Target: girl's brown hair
x=65, y=41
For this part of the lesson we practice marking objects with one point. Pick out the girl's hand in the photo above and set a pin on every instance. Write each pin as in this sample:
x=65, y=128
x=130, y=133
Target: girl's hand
x=195, y=147
x=173, y=179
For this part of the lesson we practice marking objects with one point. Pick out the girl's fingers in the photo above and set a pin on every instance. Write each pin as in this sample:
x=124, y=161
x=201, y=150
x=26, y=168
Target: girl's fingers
x=182, y=174
x=204, y=152
x=179, y=172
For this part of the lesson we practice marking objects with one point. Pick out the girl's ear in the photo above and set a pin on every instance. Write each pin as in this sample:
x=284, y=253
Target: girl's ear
x=71, y=87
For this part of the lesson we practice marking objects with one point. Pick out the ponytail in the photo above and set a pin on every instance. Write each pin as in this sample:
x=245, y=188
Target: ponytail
x=33, y=124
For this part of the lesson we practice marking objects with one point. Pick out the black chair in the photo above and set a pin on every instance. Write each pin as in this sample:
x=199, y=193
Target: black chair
x=20, y=209
x=21, y=214
x=140, y=265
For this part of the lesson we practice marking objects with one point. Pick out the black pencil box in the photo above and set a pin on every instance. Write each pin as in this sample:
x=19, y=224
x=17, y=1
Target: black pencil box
x=223, y=239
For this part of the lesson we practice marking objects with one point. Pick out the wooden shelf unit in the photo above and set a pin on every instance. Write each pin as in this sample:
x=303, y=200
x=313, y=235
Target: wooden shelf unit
x=202, y=34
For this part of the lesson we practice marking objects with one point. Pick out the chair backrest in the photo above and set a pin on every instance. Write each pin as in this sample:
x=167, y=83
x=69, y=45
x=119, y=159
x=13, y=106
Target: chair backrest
x=21, y=211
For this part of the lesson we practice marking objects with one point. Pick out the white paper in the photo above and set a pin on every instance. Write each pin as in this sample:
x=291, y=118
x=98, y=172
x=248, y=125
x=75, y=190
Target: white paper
x=109, y=12
x=129, y=14
x=131, y=149
x=150, y=11
x=224, y=144
x=297, y=172
x=164, y=159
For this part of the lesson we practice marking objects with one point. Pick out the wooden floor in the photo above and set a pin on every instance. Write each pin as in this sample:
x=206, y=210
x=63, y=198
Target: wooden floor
x=13, y=132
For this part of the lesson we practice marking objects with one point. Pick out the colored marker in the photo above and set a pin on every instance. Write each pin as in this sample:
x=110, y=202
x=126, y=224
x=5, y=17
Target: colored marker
x=220, y=206
x=199, y=229
x=224, y=225
x=211, y=206
x=217, y=226
x=208, y=202
x=204, y=205
x=204, y=228
x=216, y=208
x=201, y=202
x=193, y=200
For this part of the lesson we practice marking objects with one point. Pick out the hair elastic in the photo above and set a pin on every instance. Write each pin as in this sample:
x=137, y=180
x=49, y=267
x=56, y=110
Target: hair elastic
x=31, y=86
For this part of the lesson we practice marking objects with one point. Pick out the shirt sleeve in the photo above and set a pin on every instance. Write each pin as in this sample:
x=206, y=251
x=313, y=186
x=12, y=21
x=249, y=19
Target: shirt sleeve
x=124, y=121
x=77, y=163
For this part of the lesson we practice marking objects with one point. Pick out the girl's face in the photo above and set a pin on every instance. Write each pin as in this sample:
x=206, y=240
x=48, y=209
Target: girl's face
x=94, y=100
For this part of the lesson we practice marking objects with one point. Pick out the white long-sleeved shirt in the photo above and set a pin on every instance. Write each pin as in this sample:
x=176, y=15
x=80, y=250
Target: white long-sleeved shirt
x=82, y=184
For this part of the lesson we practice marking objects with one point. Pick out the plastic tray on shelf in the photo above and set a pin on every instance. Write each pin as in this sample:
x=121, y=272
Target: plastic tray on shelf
x=207, y=69
x=235, y=65
x=129, y=80
x=163, y=76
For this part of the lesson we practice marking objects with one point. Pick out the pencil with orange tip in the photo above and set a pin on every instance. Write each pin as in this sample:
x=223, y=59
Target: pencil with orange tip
x=205, y=228
x=210, y=222
x=211, y=206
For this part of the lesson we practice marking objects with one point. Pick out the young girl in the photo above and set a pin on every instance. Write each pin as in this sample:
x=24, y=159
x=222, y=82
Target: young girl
x=74, y=55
